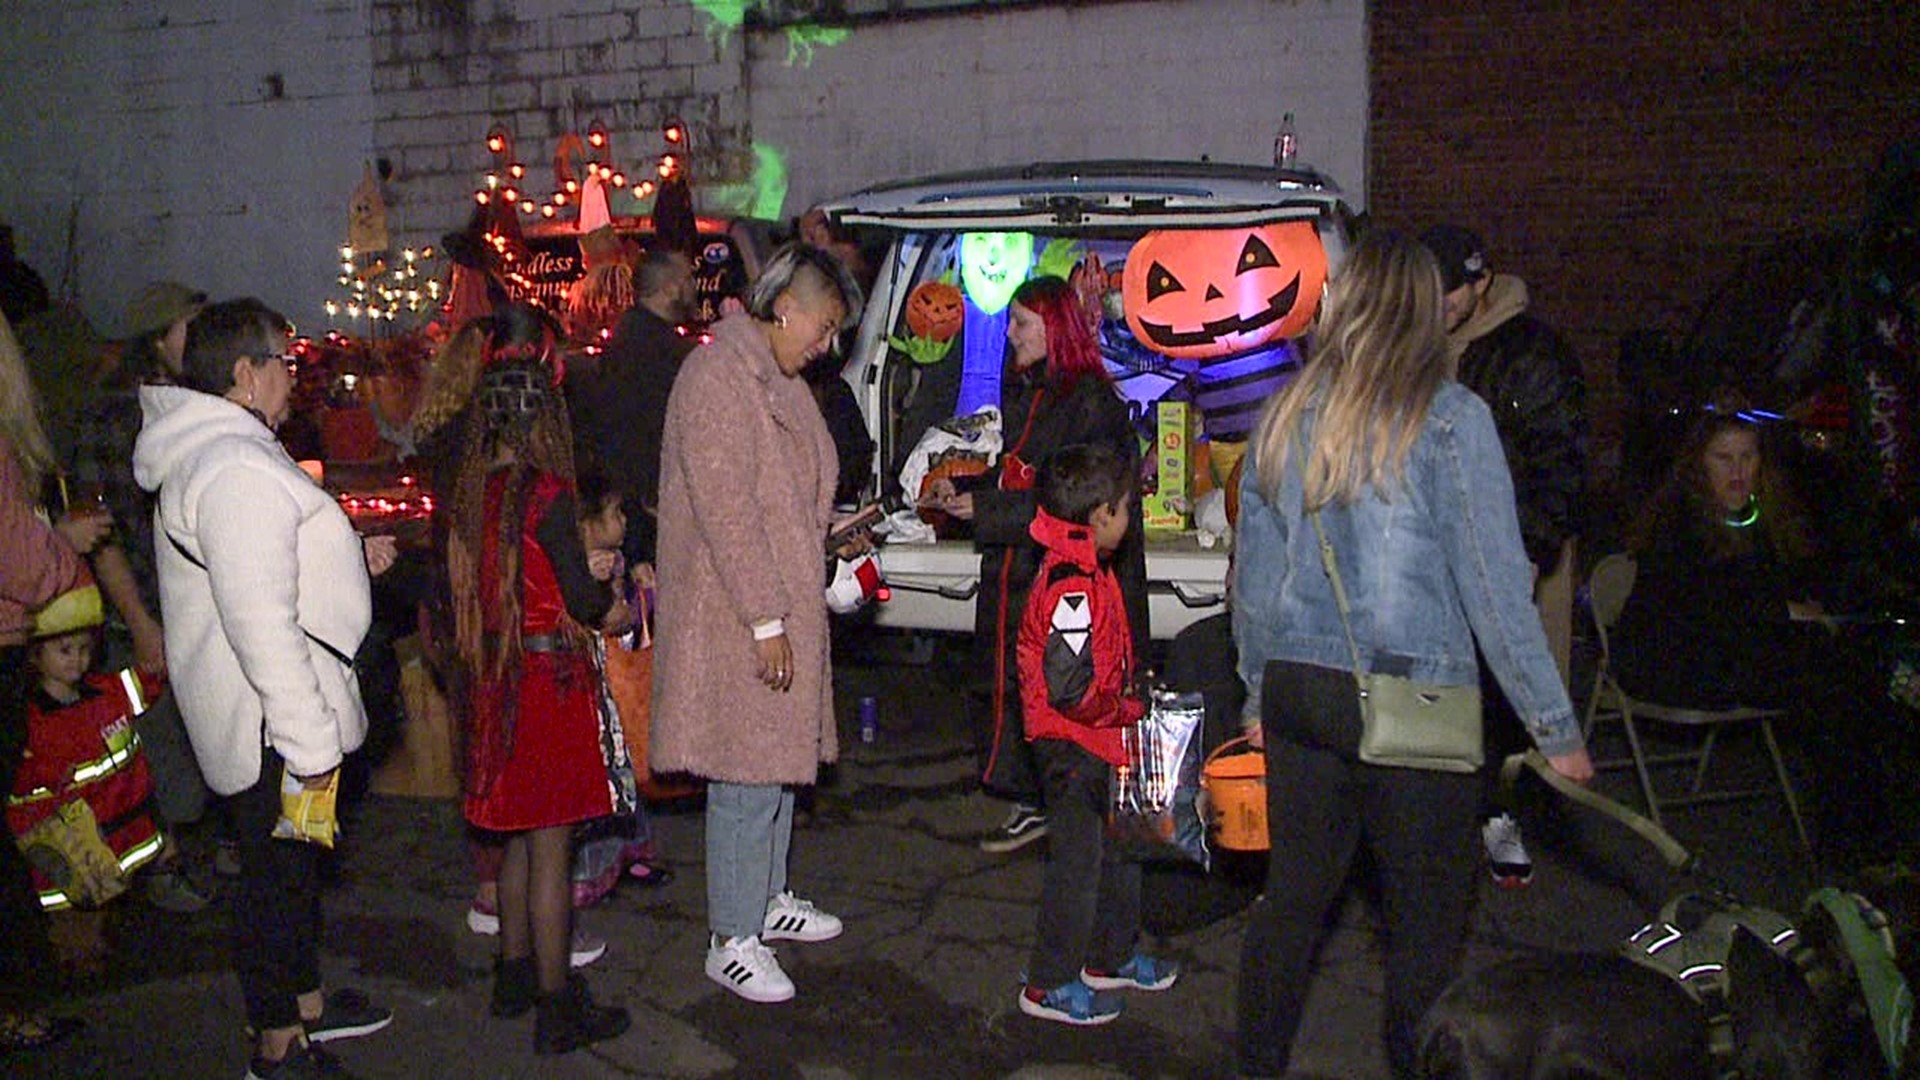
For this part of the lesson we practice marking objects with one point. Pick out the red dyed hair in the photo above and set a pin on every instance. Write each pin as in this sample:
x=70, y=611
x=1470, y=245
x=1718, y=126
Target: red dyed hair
x=1072, y=352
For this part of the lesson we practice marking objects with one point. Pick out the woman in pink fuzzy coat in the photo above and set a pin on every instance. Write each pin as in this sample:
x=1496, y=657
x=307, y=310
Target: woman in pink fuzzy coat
x=742, y=691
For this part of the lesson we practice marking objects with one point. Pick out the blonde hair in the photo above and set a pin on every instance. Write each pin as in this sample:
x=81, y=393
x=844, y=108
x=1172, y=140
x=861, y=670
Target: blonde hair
x=20, y=416
x=451, y=378
x=1379, y=356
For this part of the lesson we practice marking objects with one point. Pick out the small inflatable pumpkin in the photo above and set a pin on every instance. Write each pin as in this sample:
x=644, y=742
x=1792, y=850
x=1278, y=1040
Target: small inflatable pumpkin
x=1201, y=294
x=935, y=309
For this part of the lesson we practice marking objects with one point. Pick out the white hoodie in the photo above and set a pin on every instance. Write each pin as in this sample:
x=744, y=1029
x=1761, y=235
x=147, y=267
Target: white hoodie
x=266, y=563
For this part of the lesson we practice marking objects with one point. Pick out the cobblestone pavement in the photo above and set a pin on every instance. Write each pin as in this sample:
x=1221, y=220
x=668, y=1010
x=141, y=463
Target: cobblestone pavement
x=922, y=983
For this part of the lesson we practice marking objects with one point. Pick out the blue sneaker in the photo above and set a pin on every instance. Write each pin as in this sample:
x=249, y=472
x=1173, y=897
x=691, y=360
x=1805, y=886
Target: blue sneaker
x=1075, y=1003
x=1143, y=972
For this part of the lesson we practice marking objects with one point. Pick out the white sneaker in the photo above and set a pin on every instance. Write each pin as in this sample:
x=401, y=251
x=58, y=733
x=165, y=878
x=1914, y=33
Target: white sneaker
x=790, y=918
x=482, y=920
x=746, y=967
x=584, y=949
x=1506, y=855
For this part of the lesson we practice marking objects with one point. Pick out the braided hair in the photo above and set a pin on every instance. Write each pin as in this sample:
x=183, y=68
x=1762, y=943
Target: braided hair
x=520, y=429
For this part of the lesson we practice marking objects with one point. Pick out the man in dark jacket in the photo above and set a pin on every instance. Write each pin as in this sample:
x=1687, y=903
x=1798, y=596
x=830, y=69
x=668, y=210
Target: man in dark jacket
x=619, y=412
x=1527, y=374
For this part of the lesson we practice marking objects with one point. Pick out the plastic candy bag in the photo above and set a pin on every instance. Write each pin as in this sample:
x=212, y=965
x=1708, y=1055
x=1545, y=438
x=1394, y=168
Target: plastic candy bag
x=1154, y=812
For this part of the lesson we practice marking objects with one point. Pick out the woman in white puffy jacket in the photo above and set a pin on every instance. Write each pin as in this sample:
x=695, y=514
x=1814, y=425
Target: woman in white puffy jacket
x=264, y=589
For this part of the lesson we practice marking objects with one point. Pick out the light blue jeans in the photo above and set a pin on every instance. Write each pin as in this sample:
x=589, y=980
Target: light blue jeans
x=749, y=830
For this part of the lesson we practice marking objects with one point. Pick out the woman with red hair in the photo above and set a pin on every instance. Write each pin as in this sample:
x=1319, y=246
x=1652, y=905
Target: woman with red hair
x=1055, y=392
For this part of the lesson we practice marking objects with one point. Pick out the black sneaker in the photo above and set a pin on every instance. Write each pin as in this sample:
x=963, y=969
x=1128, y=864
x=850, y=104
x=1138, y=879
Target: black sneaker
x=347, y=1014
x=1023, y=826
x=307, y=1062
x=1506, y=856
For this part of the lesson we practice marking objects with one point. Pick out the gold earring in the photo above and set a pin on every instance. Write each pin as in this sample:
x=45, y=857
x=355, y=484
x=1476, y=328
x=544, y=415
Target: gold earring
x=780, y=321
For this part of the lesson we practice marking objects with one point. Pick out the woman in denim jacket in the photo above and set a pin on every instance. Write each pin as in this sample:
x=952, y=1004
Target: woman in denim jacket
x=1405, y=469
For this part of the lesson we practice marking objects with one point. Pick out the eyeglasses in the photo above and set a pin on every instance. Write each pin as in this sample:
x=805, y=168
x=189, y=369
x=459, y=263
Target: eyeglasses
x=287, y=360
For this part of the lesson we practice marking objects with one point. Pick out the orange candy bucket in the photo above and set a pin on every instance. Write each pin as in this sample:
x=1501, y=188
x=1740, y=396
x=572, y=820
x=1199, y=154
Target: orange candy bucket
x=1236, y=785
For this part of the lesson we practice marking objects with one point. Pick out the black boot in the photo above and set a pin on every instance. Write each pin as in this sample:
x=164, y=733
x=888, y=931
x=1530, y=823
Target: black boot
x=569, y=1020
x=516, y=987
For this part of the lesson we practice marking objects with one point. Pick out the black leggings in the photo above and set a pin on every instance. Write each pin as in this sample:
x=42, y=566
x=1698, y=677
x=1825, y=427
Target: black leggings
x=1321, y=806
x=276, y=911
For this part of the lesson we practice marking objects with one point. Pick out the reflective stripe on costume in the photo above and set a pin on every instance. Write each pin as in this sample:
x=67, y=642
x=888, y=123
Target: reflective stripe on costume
x=130, y=682
x=119, y=755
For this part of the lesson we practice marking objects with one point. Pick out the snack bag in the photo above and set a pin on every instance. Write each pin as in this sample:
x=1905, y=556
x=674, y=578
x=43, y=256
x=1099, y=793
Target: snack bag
x=308, y=815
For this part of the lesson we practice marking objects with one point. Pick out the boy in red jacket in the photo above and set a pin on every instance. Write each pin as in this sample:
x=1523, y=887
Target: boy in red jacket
x=1076, y=672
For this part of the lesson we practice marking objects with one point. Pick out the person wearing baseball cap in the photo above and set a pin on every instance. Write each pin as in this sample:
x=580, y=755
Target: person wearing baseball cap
x=1528, y=375
x=155, y=329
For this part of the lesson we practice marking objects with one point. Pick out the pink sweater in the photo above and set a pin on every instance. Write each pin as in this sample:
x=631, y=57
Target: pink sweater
x=36, y=565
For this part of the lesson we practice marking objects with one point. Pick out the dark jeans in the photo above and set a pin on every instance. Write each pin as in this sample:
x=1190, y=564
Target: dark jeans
x=1089, y=896
x=26, y=956
x=179, y=791
x=1419, y=827
x=276, y=909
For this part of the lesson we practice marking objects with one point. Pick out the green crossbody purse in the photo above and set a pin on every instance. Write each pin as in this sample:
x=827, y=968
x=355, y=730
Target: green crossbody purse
x=1406, y=724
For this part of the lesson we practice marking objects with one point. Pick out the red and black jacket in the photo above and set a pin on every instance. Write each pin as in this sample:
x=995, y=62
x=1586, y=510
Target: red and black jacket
x=1076, y=647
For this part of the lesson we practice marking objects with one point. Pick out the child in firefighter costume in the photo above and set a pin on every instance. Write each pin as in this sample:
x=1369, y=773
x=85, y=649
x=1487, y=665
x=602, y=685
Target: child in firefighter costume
x=82, y=803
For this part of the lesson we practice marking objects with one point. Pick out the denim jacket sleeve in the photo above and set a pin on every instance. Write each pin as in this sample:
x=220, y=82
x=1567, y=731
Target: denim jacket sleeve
x=1491, y=571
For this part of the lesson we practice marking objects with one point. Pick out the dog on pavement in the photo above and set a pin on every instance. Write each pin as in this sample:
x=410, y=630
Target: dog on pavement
x=1812, y=1001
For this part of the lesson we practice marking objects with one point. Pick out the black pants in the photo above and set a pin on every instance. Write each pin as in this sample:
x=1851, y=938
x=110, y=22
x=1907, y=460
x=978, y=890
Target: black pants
x=276, y=910
x=1505, y=735
x=1089, y=896
x=26, y=956
x=1419, y=827
x=1009, y=768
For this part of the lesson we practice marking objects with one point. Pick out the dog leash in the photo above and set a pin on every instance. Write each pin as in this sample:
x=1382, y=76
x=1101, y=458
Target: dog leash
x=1663, y=842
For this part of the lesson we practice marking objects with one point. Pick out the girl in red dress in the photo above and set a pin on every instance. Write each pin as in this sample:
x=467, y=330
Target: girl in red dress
x=539, y=758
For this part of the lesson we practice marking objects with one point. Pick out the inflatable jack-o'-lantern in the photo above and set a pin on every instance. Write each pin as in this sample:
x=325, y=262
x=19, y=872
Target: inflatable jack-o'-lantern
x=935, y=310
x=1200, y=294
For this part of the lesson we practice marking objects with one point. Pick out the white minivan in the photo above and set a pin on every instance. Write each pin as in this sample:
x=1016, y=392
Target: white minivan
x=1212, y=270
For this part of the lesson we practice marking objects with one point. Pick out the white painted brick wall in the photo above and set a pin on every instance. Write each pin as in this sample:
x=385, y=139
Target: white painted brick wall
x=146, y=120
x=1160, y=79
x=148, y=127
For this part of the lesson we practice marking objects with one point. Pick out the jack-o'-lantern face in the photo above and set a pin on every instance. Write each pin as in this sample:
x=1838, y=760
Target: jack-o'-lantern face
x=935, y=309
x=1200, y=294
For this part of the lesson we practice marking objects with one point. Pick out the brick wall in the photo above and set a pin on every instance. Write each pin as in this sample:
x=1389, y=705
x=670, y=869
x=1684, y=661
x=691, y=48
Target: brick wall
x=1624, y=158
x=445, y=71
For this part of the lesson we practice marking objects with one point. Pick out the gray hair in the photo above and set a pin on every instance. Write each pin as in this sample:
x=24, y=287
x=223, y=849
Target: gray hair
x=813, y=271
x=222, y=333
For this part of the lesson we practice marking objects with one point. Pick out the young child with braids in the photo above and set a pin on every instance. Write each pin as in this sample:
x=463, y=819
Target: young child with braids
x=525, y=606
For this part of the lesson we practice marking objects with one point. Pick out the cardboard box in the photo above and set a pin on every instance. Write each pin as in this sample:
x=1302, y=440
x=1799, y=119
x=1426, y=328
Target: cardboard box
x=1170, y=507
